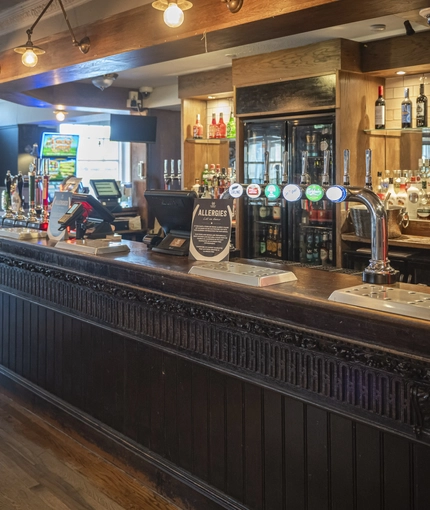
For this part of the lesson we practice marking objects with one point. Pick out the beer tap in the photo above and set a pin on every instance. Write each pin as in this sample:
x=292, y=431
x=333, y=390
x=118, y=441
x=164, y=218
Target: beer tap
x=45, y=195
x=325, y=177
x=19, y=185
x=172, y=172
x=368, y=182
x=346, y=160
x=285, y=168
x=305, y=179
x=32, y=218
x=38, y=187
x=8, y=202
x=166, y=175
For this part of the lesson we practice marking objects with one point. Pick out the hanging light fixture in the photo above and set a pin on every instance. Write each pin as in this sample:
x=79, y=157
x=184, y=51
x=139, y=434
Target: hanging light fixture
x=173, y=11
x=30, y=52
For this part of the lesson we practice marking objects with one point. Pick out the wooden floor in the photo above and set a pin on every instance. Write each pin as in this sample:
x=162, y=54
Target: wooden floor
x=42, y=468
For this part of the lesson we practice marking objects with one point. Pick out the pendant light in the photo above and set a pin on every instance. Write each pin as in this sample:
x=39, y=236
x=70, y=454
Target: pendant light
x=173, y=11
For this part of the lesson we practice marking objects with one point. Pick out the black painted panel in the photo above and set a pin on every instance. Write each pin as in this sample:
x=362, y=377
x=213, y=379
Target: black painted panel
x=157, y=402
x=184, y=420
x=342, y=463
x=295, y=454
x=397, y=489
x=369, y=468
x=234, y=437
x=317, y=459
x=273, y=454
x=26, y=340
x=217, y=436
x=200, y=422
x=170, y=408
x=302, y=95
x=421, y=463
x=253, y=452
x=34, y=338
x=19, y=339
x=12, y=327
x=41, y=354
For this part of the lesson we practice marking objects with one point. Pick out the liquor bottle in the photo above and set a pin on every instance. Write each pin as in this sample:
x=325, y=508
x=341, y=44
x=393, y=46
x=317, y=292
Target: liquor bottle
x=402, y=196
x=397, y=180
x=391, y=193
x=309, y=248
x=263, y=241
x=324, y=249
x=207, y=193
x=279, y=246
x=275, y=241
x=198, y=128
x=424, y=198
x=413, y=199
x=221, y=127
x=422, y=108
x=270, y=241
x=406, y=110
x=213, y=127
x=205, y=174
x=380, y=190
x=231, y=127
x=316, y=249
x=196, y=186
x=305, y=212
x=380, y=109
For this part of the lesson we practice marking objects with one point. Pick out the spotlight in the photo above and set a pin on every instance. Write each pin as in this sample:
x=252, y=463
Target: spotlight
x=408, y=28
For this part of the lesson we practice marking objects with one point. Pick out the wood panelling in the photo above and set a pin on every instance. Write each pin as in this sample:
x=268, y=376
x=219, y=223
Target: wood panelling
x=205, y=83
x=295, y=96
x=293, y=63
x=264, y=449
x=386, y=56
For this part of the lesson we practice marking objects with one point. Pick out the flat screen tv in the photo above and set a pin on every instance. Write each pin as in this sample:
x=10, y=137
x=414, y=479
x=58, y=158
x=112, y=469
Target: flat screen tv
x=57, y=145
x=133, y=128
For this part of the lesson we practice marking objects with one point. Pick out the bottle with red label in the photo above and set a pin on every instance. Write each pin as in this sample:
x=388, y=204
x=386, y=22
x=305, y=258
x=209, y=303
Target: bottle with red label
x=198, y=128
x=222, y=128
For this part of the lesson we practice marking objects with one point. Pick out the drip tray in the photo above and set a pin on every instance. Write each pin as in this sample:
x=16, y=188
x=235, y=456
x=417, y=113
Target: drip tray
x=256, y=276
x=386, y=299
x=25, y=234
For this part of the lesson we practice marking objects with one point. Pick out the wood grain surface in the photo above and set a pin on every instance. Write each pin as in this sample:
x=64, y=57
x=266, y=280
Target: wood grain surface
x=42, y=468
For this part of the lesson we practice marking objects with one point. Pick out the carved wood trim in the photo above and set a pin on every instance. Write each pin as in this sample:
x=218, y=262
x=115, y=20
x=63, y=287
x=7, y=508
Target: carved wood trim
x=375, y=386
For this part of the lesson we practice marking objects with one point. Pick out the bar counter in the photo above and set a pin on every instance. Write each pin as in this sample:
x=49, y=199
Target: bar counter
x=224, y=395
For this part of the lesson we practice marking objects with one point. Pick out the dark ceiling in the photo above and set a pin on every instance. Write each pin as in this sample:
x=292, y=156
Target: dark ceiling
x=5, y=4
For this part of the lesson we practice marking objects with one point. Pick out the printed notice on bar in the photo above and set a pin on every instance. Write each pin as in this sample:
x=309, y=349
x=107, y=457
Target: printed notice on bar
x=211, y=229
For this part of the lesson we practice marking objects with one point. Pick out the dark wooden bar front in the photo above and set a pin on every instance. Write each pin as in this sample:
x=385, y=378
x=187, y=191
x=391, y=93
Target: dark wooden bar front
x=224, y=396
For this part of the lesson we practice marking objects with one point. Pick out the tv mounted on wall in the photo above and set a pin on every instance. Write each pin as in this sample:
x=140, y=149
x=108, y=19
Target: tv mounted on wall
x=133, y=128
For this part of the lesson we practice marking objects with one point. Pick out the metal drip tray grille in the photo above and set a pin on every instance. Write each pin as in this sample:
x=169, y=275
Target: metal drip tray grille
x=21, y=233
x=255, y=276
x=386, y=299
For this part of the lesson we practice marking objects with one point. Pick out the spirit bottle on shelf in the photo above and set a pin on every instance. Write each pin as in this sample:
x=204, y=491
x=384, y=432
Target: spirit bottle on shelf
x=380, y=109
x=422, y=108
x=231, y=127
x=198, y=128
x=221, y=127
x=406, y=110
x=213, y=127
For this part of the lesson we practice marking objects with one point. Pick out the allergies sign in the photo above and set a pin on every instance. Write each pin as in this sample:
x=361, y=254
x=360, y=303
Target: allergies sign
x=211, y=229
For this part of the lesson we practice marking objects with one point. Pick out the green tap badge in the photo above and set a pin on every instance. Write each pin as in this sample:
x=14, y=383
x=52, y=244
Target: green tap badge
x=272, y=191
x=314, y=193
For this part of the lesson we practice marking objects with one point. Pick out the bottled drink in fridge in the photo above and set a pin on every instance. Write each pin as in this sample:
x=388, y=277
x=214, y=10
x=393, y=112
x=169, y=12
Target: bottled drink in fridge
x=406, y=110
x=380, y=109
x=422, y=108
x=324, y=249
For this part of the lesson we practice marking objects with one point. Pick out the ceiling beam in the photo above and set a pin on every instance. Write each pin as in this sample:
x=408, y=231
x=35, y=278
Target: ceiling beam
x=405, y=53
x=139, y=37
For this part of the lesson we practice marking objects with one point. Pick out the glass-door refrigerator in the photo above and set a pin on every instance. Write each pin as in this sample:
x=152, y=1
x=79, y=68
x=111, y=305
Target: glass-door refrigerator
x=301, y=231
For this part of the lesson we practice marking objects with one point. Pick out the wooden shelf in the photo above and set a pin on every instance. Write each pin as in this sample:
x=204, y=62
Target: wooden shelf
x=404, y=241
x=209, y=141
x=393, y=132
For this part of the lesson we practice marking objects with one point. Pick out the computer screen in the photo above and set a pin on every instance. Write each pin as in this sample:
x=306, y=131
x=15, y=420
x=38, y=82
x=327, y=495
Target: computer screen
x=133, y=128
x=173, y=209
x=105, y=188
x=56, y=144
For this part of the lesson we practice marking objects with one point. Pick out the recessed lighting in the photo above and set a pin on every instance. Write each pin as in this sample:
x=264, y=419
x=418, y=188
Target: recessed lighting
x=211, y=97
x=378, y=27
x=401, y=72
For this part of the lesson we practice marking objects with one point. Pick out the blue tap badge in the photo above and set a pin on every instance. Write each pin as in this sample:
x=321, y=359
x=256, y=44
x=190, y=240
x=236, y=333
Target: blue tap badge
x=336, y=194
x=292, y=192
x=272, y=191
x=314, y=192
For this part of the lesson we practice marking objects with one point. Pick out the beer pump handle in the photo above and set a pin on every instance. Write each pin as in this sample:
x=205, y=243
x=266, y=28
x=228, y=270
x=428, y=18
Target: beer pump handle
x=346, y=159
x=325, y=177
x=304, y=178
x=266, y=167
